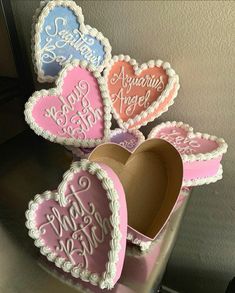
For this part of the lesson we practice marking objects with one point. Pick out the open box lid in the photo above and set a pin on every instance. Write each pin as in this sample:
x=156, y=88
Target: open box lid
x=82, y=227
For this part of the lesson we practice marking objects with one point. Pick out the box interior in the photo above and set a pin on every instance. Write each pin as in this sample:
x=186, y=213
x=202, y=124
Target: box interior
x=151, y=178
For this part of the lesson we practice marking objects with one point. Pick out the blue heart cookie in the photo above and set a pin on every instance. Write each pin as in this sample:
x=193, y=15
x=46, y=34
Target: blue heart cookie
x=61, y=36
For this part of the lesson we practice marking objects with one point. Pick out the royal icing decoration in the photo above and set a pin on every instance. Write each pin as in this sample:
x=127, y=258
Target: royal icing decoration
x=60, y=36
x=76, y=112
x=79, y=227
x=139, y=94
x=201, y=153
x=129, y=139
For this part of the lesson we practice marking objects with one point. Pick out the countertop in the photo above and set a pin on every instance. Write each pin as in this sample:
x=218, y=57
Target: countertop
x=31, y=165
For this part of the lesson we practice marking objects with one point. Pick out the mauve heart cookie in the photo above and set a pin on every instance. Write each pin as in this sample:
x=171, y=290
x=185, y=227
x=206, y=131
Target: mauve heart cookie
x=201, y=153
x=82, y=226
x=139, y=94
x=151, y=177
x=76, y=112
x=60, y=36
x=129, y=139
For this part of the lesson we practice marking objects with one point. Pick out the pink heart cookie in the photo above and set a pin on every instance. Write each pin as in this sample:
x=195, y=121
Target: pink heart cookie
x=82, y=227
x=201, y=153
x=76, y=112
x=139, y=94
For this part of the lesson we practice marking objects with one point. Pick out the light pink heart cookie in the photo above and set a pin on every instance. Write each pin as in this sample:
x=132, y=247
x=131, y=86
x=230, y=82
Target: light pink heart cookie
x=139, y=94
x=82, y=227
x=201, y=153
x=76, y=112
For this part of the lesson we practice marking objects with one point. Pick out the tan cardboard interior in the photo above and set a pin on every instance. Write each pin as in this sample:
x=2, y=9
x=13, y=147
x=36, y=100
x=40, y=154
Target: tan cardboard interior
x=151, y=177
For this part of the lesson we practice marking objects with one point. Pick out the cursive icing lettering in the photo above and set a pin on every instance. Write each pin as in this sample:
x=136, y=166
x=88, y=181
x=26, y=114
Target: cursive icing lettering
x=129, y=144
x=73, y=123
x=127, y=82
x=86, y=227
x=57, y=38
x=128, y=104
x=57, y=22
x=183, y=144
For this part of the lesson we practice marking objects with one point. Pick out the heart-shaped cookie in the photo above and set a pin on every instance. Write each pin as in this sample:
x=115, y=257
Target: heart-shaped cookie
x=128, y=139
x=201, y=153
x=76, y=112
x=60, y=36
x=151, y=177
x=139, y=94
x=82, y=226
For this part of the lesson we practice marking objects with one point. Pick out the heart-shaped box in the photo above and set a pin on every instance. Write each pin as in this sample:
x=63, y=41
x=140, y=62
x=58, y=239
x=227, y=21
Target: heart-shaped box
x=128, y=139
x=137, y=268
x=201, y=153
x=141, y=263
x=82, y=226
x=76, y=112
x=151, y=177
x=139, y=94
x=60, y=36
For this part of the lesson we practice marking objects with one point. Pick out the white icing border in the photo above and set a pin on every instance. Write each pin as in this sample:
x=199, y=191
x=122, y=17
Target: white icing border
x=222, y=145
x=56, y=91
x=135, y=132
x=107, y=278
x=135, y=251
x=173, y=79
x=144, y=245
x=38, y=21
x=205, y=180
x=138, y=134
x=142, y=248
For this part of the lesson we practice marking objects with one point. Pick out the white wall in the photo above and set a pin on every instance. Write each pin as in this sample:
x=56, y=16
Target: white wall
x=197, y=38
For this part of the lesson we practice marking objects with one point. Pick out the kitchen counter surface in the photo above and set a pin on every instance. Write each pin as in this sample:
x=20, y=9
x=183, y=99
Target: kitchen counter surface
x=31, y=165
